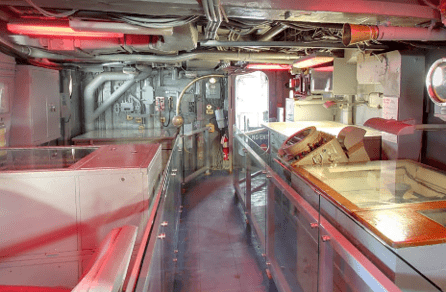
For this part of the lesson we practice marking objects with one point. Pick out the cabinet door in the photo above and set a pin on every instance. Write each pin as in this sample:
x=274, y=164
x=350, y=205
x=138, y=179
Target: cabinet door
x=38, y=108
x=6, y=89
x=44, y=90
x=53, y=108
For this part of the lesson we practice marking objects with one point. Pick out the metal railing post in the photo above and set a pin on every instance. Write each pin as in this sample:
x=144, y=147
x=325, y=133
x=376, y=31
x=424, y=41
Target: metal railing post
x=248, y=182
x=270, y=219
x=325, y=282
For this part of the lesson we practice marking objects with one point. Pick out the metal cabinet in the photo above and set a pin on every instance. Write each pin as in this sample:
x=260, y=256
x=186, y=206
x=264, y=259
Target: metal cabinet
x=55, y=213
x=7, y=67
x=36, y=106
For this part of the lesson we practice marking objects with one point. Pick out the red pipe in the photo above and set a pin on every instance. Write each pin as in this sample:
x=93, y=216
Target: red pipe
x=352, y=33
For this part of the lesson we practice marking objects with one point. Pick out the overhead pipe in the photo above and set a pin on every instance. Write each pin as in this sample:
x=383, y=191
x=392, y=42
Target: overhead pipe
x=24, y=51
x=104, y=26
x=270, y=34
x=116, y=95
x=353, y=33
x=90, y=89
x=202, y=55
x=279, y=58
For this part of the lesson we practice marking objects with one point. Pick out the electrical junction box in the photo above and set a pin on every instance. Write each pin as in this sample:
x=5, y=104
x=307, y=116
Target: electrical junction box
x=375, y=100
x=213, y=90
x=147, y=94
x=127, y=107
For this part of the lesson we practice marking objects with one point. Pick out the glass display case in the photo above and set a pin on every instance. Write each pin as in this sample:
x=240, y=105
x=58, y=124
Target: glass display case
x=394, y=211
x=42, y=158
x=381, y=183
x=403, y=202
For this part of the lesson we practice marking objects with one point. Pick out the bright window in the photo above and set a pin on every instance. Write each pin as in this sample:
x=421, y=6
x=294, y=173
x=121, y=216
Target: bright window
x=251, y=100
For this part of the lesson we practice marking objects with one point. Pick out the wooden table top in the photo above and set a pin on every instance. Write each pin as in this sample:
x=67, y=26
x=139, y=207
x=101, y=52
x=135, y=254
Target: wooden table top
x=398, y=223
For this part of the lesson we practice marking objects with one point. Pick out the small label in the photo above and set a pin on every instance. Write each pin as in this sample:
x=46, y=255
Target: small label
x=390, y=108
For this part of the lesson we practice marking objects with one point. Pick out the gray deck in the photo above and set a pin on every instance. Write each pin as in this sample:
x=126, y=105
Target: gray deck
x=217, y=250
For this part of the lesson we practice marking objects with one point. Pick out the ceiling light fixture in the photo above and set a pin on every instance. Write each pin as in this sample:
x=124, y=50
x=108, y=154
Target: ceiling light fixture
x=312, y=60
x=268, y=66
x=57, y=30
x=324, y=69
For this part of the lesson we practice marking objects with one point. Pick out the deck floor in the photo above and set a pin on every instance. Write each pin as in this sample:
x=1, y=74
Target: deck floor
x=217, y=249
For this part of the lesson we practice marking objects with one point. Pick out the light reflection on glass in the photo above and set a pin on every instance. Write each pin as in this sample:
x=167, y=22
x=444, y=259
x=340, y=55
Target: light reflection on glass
x=437, y=78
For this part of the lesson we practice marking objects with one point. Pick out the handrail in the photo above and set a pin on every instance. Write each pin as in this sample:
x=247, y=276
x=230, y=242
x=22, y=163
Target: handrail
x=134, y=274
x=256, y=131
x=246, y=135
x=251, y=151
x=368, y=271
x=147, y=243
x=362, y=265
x=110, y=266
x=195, y=132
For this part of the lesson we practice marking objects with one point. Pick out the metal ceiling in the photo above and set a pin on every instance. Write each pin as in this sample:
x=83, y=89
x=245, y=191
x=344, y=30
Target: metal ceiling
x=245, y=30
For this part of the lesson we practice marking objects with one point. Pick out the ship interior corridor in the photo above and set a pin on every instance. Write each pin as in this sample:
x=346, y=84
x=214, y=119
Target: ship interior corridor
x=217, y=249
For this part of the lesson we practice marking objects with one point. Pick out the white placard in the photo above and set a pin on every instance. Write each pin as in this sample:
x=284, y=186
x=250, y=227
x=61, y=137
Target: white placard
x=390, y=108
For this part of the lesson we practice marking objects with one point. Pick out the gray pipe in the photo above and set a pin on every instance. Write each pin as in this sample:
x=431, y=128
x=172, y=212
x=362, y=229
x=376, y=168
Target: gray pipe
x=203, y=55
x=91, y=88
x=212, y=10
x=116, y=95
x=206, y=9
x=107, y=103
x=281, y=58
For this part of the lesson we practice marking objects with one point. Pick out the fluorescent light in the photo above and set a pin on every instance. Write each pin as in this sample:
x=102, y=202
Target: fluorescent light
x=312, y=61
x=57, y=30
x=268, y=67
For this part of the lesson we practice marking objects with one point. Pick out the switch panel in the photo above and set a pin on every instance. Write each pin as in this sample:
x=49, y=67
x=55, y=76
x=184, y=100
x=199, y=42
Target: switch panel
x=159, y=104
x=127, y=107
x=213, y=90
